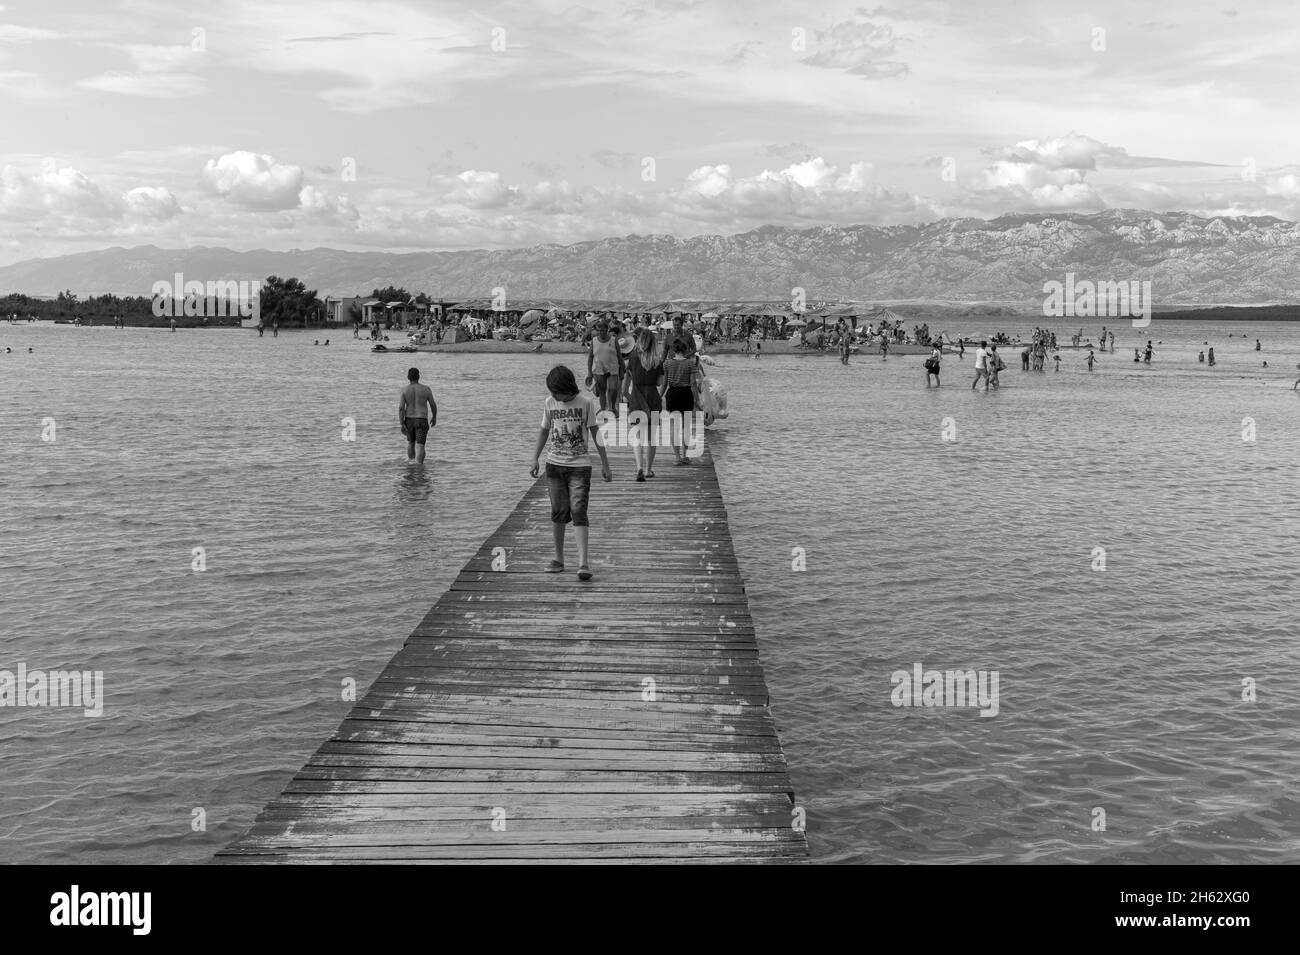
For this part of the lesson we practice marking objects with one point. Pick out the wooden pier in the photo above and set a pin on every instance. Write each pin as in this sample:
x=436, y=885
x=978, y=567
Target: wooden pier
x=531, y=717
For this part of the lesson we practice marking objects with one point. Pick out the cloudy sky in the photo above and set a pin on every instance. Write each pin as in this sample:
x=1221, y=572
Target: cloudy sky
x=443, y=125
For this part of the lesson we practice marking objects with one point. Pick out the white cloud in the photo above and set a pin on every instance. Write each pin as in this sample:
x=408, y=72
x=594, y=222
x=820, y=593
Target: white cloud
x=152, y=202
x=161, y=72
x=156, y=86
x=254, y=180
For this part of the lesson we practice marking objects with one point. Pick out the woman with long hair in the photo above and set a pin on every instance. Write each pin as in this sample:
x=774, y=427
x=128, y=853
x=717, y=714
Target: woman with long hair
x=680, y=386
x=645, y=368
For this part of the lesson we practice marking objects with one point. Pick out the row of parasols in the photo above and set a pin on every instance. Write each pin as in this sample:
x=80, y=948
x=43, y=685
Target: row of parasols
x=586, y=313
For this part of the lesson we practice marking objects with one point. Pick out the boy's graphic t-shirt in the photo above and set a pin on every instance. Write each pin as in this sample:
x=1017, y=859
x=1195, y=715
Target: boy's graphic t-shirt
x=569, y=422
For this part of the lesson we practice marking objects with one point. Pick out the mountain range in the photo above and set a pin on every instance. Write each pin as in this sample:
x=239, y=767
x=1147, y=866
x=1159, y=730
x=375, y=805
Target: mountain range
x=1187, y=258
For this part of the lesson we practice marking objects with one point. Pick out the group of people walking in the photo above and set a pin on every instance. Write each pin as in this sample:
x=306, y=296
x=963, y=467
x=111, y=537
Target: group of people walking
x=649, y=373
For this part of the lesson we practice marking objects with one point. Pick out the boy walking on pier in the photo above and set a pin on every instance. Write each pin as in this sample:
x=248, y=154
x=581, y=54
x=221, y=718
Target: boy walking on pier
x=568, y=425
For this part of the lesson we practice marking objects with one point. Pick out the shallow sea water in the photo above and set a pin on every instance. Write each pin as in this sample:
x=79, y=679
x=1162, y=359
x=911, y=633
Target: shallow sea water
x=1119, y=689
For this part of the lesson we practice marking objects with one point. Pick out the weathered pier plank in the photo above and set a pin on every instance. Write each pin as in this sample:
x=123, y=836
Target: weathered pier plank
x=517, y=723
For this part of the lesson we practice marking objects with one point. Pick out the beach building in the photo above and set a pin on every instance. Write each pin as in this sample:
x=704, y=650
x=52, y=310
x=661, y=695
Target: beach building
x=343, y=310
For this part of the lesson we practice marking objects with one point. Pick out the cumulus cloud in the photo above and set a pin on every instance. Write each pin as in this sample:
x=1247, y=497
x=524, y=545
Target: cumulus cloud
x=1074, y=151
x=254, y=180
x=67, y=200
x=152, y=202
x=57, y=193
x=860, y=47
x=325, y=206
x=708, y=198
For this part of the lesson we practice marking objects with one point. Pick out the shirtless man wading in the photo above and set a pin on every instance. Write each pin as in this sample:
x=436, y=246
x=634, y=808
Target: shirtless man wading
x=411, y=412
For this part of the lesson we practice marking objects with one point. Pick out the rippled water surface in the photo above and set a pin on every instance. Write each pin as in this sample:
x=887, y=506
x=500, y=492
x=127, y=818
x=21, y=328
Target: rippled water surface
x=1119, y=689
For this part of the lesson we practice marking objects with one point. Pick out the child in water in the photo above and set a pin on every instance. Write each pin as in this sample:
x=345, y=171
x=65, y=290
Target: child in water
x=1092, y=358
x=1057, y=359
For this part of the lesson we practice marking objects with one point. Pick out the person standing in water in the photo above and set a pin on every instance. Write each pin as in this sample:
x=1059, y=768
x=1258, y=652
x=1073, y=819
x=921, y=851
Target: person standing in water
x=981, y=366
x=1147, y=358
x=411, y=414
x=1112, y=343
x=1211, y=357
x=932, y=366
x=1090, y=359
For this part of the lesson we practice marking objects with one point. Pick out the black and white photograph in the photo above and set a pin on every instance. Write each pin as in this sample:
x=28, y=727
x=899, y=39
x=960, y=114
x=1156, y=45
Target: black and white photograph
x=650, y=432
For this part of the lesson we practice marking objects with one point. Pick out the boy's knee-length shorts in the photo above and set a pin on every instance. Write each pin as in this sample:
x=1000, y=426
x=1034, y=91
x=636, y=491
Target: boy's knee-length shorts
x=569, y=489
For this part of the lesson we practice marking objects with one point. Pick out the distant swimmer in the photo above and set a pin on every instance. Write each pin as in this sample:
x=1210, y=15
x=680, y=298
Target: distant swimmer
x=316, y=342
x=1057, y=359
x=1093, y=358
x=411, y=412
x=1201, y=358
x=1137, y=357
x=1147, y=357
x=1257, y=345
x=327, y=341
x=538, y=346
x=1211, y=357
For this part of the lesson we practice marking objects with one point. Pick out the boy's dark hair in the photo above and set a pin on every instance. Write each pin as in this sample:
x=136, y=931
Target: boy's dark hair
x=413, y=375
x=560, y=381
